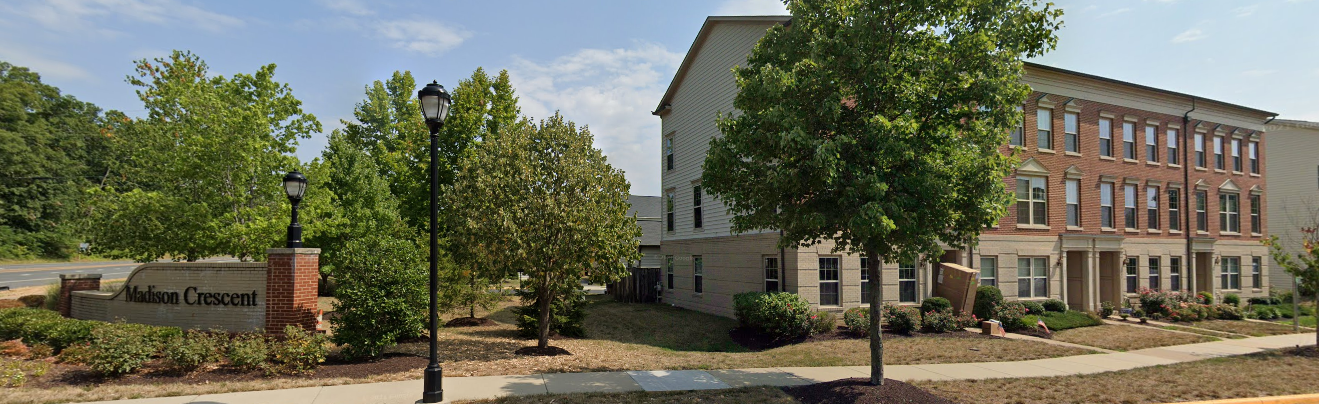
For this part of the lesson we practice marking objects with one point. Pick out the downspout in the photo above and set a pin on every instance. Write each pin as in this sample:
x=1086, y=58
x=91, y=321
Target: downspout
x=1187, y=194
x=783, y=265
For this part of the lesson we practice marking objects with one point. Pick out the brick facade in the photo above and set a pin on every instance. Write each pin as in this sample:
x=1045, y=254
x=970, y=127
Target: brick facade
x=70, y=283
x=292, y=276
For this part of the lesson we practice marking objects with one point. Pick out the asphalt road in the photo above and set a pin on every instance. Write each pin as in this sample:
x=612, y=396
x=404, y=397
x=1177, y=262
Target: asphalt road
x=17, y=276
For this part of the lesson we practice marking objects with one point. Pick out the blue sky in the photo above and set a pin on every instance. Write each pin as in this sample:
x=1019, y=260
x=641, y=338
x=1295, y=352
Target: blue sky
x=606, y=63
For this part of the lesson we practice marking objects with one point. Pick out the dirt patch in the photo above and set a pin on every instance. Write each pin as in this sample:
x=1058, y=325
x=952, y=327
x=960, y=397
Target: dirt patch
x=538, y=351
x=470, y=322
x=755, y=341
x=861, y=391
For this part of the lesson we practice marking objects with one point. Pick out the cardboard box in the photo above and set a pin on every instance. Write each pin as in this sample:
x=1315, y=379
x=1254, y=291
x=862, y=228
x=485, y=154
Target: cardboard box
x=957, y=284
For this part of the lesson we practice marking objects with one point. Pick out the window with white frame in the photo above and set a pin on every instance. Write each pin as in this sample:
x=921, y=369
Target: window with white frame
x=1236, y=155
x=1032, y=277
x=1071, y=133
x=697, y=219
x=1171, y=141
x=1175, y=273
x=1106, y=205
x=668, y=153
x=865, y=280
x=1256, y=272
x=1202, y=210
x=1174, y=209
x=907, y=282
x=1129, y=140
x=1152, y=208
x=698, y=274
x=1105, y=137
x=1218, y=152
x=772, y=274
x=1129, y=213
x=1133, y=274
x=989, y=271
x=829, y=281
x=1032, y=201
x=1255, y=226
x=1230, y=273
x=1044, y=124
x=1229, y=213
x=1199, y=150
x=1018, y=137
x=668, y=207
x=1073, y=202
x=668, y=270
x=1152, y=143
x=1154, y=272
x=1252, y=152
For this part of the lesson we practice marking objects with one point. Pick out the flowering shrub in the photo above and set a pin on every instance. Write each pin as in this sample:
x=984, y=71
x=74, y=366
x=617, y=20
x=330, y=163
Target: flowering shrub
x=780, y=315
x=939, y=321
x=857, y=320
x=1162, y=303
x=901, y=319
x=967, y=320
x=1205, y=297
x=822, y=322
x=1010, y=314
x=1229, y=312
x=1033, y=307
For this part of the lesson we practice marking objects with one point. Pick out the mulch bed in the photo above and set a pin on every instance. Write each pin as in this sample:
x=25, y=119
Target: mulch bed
x=861, y=391
x=61, y=375
x=469, y=322
x=755, y=341
x=538, y=351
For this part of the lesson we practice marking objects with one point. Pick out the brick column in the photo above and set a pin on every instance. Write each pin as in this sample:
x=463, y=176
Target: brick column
x=70, y=283
x=291, y=278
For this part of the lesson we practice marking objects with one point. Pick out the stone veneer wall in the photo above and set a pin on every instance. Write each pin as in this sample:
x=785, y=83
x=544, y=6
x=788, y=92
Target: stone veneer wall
x=178, y=277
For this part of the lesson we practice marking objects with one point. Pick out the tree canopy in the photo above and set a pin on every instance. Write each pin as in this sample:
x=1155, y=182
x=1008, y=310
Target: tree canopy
x=878, y=125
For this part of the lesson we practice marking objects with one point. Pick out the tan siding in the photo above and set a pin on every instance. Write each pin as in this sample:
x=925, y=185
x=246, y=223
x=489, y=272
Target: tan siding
x=1293, y=187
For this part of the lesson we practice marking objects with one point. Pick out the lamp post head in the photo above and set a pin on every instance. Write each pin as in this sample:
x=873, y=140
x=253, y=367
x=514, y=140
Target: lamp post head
x=434, y=104
x=294, y=185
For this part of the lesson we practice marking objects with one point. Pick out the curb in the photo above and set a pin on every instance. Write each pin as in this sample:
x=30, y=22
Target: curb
x=1296, y=399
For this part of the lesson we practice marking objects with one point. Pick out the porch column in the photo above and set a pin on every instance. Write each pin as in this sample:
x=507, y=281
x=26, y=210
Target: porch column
x=1092, y=279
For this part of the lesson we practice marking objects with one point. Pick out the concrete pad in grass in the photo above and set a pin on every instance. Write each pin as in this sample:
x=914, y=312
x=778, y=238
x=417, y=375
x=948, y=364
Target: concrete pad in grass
x=757, y=377
x=675, y=380
x=604, y=382
x=305, y=395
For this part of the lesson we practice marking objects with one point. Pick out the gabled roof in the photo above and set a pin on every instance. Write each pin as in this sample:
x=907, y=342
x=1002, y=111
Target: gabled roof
x=701, y=36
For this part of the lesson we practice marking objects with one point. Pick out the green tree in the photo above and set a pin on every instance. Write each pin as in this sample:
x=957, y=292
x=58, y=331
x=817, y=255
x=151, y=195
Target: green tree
x=543, y=195
x=200, y=175
x=878, y=125
x=49, y=149
x=1304, y=265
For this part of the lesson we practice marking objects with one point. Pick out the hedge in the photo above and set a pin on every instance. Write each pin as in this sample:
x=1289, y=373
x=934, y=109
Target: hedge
x=1062, y=321
x=780, y=315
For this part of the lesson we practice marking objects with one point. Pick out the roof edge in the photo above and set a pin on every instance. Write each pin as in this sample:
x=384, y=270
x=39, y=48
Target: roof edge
x=701, y=36
x=1142, y=87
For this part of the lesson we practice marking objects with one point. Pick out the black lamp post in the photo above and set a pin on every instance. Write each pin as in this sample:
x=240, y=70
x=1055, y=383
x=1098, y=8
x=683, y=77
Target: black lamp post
x=294, y=185
x=435, y=107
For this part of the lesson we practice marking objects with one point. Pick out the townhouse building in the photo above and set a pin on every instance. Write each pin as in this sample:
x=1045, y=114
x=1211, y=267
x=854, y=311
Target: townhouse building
x=1293, y=164
x=1120, y=187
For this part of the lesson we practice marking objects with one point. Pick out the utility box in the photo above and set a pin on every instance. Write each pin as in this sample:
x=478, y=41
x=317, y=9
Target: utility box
x=957, y=284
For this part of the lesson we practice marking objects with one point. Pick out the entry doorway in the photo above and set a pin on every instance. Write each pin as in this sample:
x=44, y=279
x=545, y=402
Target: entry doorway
x=1110, y=277
x=1077, y=293
x=1204, y=271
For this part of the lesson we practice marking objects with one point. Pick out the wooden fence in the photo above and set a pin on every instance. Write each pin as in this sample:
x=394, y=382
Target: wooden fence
x=639, y=287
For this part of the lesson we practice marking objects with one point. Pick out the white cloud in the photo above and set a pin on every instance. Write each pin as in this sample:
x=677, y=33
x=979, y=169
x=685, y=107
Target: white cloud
x=1113, y=13
x=1258, y=72
x=752, y=7
x=1193, y=34
x=610, y=90
x=80, y=15
x=47, y=67
x=353, y=7
x=1245, y=11
x=424, y=37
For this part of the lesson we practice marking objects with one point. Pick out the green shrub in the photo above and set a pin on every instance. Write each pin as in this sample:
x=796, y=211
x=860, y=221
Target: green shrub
x=299, y=352
x=567, y=313
x=937, y=304
x=1205, y=297
x=120, y=348
x=1269, y=300
x=248, y=351
x=1285, y=297
x=381, y=284
x=194, y=349
x=779, y=315
x=986, y=298
x=1033, y=307
x=1231, y=312
x=1106, y=309
x=1138, y=313
x=857, y=320
x=1055, y=306
x=823, y=322
x=901, y=319
x=1063, y=321
x=44, y=326
x=938, y=321
x=77, y=354
x=1265, y=312
x=1232, y=299
x=1010, y=314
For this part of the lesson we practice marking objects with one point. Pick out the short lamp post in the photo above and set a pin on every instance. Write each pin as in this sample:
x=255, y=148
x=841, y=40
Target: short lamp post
x=294, y=185
x=434, y=107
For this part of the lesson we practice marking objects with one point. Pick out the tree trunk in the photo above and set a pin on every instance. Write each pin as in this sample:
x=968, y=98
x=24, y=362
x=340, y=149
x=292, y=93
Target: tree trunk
x=471, y=281
x=1296, y=297
x=876, y=333
x=543, y=300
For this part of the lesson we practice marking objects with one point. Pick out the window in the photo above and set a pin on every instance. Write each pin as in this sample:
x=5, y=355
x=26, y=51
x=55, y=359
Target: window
x=1254, y=215
x=1201, y=211
x=1129, y=214
x=1152, y=143
x=668, y=153
x=1199, y=150
x=1218, y=152
x=829, y=281
x=1171, y=140
x=1073, y=202
x=1152, y=207
x=1252, y=151
x=1236, y=155
x=1105, y=137
x=771, y=274
x=989, y=271
x=1230, y=273
x=1175, y=273
x=865, y=280
x=1018, y=137
x=698, y=273
x=1154, y=273
x=1229, y=214
x=696, y=207
x=1071, y=130
x=668, y=207
x=1106, y=205
x=1174, y=209
x=907, y=282
x=668, y=270
x=1256, y=272
x=1133, y=275
x=1032, y=205
x=1129, y=140
x=1044, y=122
x=1032, y=277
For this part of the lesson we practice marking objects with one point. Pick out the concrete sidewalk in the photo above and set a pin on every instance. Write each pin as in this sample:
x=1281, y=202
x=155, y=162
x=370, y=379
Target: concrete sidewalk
x=471, y=388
